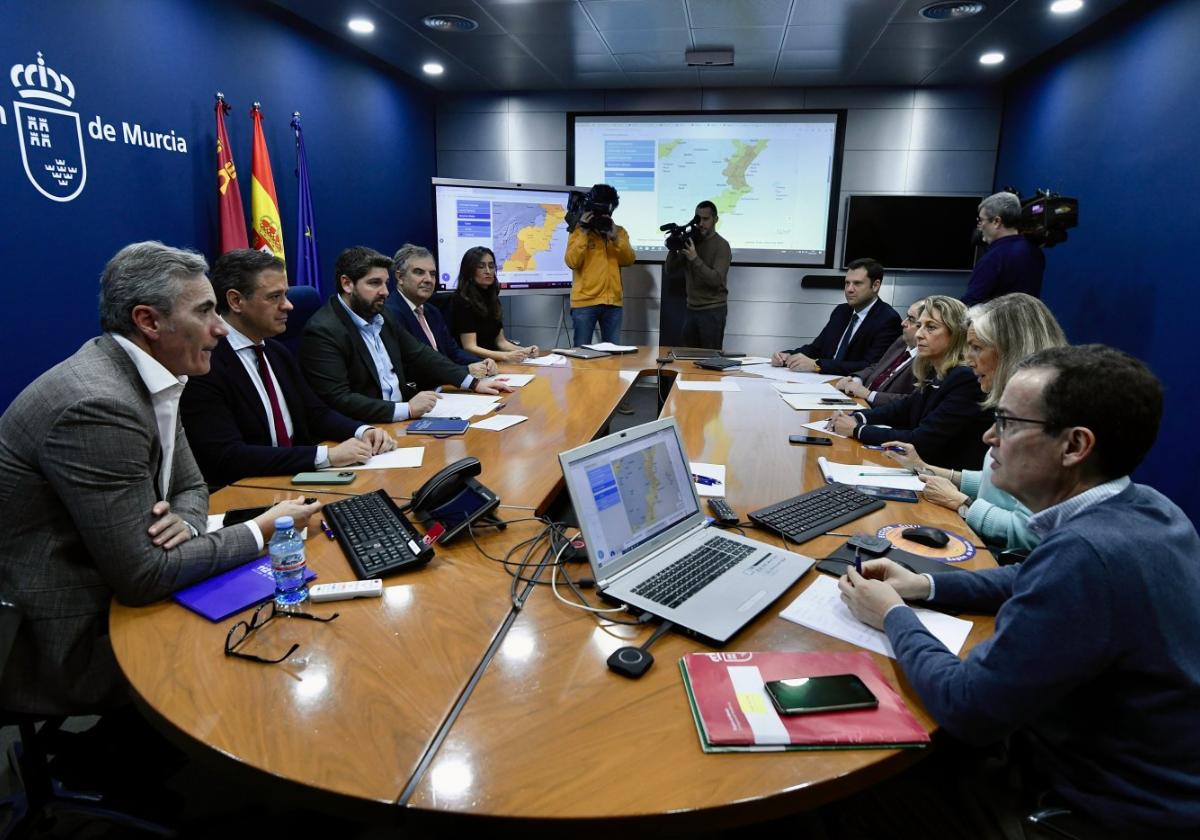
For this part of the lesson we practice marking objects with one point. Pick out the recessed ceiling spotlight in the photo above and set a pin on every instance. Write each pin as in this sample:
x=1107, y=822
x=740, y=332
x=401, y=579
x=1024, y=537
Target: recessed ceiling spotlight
x=449, y=23
x=361, y=25
x=953, y=10
x=1065, y=7
x=432, y=68
x=991, y=58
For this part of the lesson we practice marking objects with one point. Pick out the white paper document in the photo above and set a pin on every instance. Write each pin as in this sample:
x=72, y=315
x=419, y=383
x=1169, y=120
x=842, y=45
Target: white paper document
x=399, y=458
x=609, y=347
x=819, y=389
x=871, y=474
x=464, y=406
x=812, y=402
x=512, y=380
x=819, y=427
x=706, y=384
x=820, y=608
x=499, y=422
x=751, y=360
x=782, y=374
x=713, y=471
x=549, y=360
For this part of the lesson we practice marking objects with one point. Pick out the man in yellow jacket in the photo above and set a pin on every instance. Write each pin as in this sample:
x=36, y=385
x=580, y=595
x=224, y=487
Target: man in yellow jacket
x=597, y=250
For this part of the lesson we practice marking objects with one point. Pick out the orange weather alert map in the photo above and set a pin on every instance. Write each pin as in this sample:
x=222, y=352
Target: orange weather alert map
x=530, y=240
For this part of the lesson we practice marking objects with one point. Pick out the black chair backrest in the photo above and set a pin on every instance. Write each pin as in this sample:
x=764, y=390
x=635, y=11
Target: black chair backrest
x=10, y=619
x=306, y=300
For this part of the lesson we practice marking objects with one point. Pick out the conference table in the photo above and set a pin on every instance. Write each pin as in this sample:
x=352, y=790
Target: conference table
x=463, y=693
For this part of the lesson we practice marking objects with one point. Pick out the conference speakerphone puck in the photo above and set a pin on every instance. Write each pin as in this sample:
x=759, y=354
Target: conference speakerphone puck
x=630, y=661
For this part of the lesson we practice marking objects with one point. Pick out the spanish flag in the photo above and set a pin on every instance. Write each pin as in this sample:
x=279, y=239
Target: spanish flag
x=264, y=206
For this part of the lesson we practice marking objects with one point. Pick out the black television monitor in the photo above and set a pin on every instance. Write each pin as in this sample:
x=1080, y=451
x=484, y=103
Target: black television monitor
x=773, y=175
x=523, y=224
x=912, y=232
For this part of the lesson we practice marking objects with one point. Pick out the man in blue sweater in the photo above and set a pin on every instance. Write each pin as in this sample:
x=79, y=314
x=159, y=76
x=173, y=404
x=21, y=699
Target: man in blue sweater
x=1011, y=262
x=1095, y=662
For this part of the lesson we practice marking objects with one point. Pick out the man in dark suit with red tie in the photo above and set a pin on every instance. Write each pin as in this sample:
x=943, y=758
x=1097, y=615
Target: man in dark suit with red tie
x=416, y=281
x=253, y=413
x=858, y=332
x=891, y=378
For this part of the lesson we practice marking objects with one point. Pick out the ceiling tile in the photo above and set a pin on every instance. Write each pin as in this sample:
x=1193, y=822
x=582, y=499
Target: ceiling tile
x=927, y=35
x=824, y=37
x=648, y=40
x=855, y=13
x=811, y=60
x=658, y=78
x=645, y=62
x=412, y=11
x=756, y=38
x=726, y=13
x=733, y=77
x=540, y=17
x=636, y=14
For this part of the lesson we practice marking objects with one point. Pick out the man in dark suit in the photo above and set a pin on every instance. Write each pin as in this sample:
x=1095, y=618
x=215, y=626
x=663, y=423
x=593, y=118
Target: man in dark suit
x=891, y=378
x=101, y=495
x=253, y=413
x=416, y=281
x=361, y=361
x=857, y=333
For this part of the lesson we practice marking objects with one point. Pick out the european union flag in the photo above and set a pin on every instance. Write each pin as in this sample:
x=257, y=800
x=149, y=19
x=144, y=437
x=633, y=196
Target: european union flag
x=306, y=269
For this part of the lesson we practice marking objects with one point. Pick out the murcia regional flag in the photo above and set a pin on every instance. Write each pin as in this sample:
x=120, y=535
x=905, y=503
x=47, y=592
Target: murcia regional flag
x=264, y=206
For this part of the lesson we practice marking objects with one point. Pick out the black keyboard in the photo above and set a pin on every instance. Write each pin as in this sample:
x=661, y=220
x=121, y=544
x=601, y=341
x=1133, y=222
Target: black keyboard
x=378, y=539
x=693, y=571
x=809, y=515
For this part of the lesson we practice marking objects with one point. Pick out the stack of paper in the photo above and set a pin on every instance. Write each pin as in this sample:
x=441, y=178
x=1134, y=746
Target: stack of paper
x=706, y=384
x=609, y=347
x=401, y=457
x=550, y=360
x=462, y=406
x=812, y=402
x=820, y=608
x=499, y=422
x=782, y=374
x=819, y=389
x=873, y=475
x=512, y=380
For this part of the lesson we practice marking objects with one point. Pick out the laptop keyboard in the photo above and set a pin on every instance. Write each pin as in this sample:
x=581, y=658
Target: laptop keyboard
x=692, y=572
x=811, y=514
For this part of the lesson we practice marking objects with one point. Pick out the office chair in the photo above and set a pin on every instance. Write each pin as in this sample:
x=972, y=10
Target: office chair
x=34, y=808
x=306, y=300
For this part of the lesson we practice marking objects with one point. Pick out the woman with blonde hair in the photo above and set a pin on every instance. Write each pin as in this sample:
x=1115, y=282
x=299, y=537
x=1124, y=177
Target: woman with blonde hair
x=943, y=417
x=1003, y=332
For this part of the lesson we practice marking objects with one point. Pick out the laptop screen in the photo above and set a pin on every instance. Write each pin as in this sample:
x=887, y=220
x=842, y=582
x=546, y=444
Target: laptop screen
x=629, y=492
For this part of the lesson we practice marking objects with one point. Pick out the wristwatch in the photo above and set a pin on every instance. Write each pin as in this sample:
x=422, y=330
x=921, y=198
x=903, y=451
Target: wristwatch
x=471, y=383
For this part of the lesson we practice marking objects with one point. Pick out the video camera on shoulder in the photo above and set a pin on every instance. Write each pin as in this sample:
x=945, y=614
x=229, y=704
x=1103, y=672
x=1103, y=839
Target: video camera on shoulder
x=678, y=236
x=601, y=200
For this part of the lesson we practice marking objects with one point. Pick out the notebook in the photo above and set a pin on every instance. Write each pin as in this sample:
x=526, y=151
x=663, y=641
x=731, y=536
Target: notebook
x=437, y=426
x=229, y=592
x=649, y=545
x=583, y=353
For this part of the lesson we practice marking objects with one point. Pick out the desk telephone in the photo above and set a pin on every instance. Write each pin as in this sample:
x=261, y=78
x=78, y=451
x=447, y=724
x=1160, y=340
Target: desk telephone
x=454, y=499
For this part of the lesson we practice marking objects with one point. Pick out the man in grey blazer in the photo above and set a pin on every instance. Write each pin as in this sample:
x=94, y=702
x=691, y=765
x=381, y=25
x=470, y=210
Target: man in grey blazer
x=891, y=378
x=100, y=491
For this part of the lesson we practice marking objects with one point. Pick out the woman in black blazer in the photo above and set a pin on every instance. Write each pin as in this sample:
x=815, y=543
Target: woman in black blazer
x=943, y=415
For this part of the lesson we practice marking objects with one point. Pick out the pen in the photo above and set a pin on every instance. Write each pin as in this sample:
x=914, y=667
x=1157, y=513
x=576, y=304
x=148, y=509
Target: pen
x=328, y=531
x=896, y=471
x=857, y=561
x=705, y=480
x=438, y=389
x=501, y=406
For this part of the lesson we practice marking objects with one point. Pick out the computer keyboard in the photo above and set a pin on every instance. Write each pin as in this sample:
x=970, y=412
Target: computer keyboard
x=811, y=514
x=693, y=571
x=378, y=539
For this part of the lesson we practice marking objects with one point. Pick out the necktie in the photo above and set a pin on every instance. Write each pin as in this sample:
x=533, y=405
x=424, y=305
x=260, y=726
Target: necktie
x=282, y=438
x=420, y=310
x=886, y=374
x=845, y=342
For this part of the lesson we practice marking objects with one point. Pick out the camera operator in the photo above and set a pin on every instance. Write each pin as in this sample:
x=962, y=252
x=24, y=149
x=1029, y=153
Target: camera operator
x=1011, y=262
x=705, y=259
x=597, y=250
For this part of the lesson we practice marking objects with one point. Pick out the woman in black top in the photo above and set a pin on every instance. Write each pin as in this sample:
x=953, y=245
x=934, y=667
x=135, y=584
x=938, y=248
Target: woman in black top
x=475, y=312
x=943, y=415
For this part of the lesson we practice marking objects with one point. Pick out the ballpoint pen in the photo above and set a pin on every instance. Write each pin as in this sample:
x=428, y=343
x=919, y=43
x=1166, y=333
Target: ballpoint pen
x=857, y=561
x=328, y=531
x=705, y=480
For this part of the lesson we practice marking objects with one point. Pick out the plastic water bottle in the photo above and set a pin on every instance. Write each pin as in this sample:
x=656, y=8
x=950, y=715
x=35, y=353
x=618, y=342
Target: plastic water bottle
x=287, y=563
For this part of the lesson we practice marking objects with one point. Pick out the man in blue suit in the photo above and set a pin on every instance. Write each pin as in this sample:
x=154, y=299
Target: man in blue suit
x=416, y=280
x=858, y=332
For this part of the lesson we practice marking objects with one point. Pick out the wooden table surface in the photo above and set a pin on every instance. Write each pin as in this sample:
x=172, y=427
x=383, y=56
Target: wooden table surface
x=548, y=734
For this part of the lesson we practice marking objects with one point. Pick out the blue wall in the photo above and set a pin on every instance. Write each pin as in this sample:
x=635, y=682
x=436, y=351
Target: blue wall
x=1114, y=119
x=368, y=133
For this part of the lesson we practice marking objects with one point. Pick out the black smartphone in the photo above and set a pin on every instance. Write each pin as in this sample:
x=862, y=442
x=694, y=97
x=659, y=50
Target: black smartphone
x=835, y=693
x=891, y=494
x=810, y=439
x=236, y=515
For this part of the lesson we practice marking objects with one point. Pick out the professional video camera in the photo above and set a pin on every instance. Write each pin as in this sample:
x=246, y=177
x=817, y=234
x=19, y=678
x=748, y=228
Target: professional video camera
x=678, y=236
x=1046, y=216
x=601, y=200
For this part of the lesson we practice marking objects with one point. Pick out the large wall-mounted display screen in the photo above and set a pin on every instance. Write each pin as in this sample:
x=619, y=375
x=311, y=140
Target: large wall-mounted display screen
x=523, y=224
x=773, y=177
x=912, y=232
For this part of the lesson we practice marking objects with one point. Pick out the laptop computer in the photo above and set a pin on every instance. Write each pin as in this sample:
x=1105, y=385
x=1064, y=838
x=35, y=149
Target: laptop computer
x=649, y=544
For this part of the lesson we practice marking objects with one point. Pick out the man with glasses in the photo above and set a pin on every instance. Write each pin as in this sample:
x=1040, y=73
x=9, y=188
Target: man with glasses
x=891, y=378
x=1094, y=668
x=1011, y=262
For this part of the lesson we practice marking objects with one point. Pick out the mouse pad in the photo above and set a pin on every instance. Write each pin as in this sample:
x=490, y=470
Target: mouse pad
x=958, y=549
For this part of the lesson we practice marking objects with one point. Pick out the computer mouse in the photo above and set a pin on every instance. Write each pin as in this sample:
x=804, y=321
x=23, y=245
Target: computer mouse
x=926, y=535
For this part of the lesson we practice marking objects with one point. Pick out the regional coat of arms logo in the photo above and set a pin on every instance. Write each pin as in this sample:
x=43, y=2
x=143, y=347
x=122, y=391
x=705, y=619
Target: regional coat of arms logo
x=51, y=138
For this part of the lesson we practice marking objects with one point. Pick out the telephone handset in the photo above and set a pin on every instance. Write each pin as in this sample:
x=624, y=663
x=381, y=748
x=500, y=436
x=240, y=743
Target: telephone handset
x=454, y=499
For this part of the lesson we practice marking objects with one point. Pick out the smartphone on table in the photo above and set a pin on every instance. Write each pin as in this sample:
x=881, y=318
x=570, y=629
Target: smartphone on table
x=834, y=693
x=812, y=440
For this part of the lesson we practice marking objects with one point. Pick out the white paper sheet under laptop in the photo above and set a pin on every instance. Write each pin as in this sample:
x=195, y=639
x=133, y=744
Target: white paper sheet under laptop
x=648, y=542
